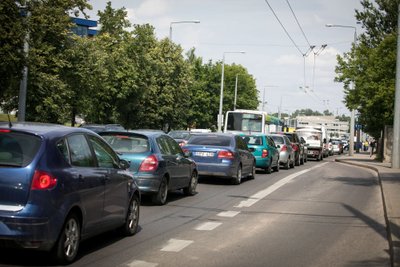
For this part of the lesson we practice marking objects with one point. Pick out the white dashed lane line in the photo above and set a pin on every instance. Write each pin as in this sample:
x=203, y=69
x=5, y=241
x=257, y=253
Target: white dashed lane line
x=176, y=245
x=228, y=213
x=137, y=263
x=208, y=226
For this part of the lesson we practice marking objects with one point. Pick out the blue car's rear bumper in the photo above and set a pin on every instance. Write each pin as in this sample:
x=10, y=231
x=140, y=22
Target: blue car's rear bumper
x=222, y=170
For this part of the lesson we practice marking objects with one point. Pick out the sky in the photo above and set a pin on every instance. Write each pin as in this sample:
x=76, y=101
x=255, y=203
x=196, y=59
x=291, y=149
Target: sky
x=285, y=78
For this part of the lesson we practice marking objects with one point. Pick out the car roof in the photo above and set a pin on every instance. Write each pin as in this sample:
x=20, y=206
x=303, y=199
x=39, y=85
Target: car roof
x=42, y=129
x=140, y=132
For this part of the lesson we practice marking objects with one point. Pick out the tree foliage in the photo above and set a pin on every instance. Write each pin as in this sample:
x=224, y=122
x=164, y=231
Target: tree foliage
x=371, y=64
x=122, y=75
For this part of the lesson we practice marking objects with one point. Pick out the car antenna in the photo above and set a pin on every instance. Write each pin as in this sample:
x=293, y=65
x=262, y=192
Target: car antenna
x=9, y=120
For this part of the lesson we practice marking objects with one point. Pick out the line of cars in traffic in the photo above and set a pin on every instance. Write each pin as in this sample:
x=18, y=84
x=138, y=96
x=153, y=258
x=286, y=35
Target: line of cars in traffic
x=60, y=185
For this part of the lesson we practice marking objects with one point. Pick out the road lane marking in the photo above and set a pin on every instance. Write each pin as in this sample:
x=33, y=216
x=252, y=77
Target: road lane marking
x=137, y=263
x=228, y=213
x=265, y=192
x=208, y=226
x=176, y=245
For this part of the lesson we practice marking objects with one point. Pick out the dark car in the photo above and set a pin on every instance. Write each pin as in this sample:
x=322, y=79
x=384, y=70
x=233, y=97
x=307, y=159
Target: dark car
x=222, y=155
x=157, y=162
x=60, y=185
x=103, y=127
x=298, y=148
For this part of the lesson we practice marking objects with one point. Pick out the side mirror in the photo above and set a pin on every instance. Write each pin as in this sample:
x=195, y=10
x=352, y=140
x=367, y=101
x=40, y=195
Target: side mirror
x=124, y=164
x=278, y=146
x=251, y=149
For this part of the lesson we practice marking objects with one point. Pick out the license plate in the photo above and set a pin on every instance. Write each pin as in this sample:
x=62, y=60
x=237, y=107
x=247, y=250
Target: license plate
x=204, y=154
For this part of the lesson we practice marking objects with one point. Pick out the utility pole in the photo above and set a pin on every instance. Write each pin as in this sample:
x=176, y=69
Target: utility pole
x=396, y=119
x=24, y=81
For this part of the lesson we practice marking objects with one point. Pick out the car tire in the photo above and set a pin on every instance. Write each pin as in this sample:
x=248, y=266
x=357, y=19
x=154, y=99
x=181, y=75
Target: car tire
x=297, y=160
x=286, y=166
x=191, y=189
x=292, y=163
x=160, y=198
x=253, y=171
x=132, y=218
x=268, y=169
x=238, y=179
x=276, y=168
x=66, y=248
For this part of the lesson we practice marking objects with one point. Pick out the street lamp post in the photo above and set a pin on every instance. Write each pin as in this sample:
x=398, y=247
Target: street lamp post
x=236, y=87
x=221, y=97
x=178, y=22
x=352, y=120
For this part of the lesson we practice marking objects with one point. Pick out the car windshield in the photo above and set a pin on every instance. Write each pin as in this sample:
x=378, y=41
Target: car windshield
x=253, y=140
x=278, y=139
x=211, y=140
x=127, y=143
x=17, y=149
x=179, y=135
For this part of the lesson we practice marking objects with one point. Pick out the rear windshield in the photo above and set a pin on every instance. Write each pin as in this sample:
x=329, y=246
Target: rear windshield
x=17, y=149
x=127, y=143
x=253, y=140
x=210, y=140
x=290, y=136
x=277, y=139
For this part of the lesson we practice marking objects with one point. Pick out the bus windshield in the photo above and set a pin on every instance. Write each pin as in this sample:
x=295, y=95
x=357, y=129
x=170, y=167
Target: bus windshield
x=244, y=122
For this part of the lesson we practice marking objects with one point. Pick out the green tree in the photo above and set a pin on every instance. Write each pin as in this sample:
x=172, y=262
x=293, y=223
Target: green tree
x=372, y=73
x=12, y=32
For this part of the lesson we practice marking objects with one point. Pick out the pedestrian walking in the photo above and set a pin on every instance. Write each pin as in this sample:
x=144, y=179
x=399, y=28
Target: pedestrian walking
x=372, y=146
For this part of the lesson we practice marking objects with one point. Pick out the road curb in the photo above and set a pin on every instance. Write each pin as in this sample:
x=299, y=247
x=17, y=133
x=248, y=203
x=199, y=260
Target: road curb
x=394, y=242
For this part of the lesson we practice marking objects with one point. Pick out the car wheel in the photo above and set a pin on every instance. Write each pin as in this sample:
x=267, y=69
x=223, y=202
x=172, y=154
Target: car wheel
x=276, y=168
x=132, y=218
x=253, y=171
x=66, y=248
x=292, y=163
x=238, y=179
x=297, y=160
x=268, y=169
x=287, y=164
x=191, y=189
x=161, y=197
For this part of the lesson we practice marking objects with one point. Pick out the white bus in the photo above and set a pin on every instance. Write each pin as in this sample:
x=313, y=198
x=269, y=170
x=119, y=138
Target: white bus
x=251, y=121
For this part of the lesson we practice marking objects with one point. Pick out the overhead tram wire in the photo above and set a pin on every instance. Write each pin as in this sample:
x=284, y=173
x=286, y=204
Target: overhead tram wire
x=298, y=23
x=313, y=96
x=283, y=27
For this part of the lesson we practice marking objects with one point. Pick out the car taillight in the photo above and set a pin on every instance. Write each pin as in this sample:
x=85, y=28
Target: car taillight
x=264, y=153
x=4, y=131
x=185, y=150
x=295, y=147
x=149, y=164
x=283, y=148
x=43, y=180
x=225, y=154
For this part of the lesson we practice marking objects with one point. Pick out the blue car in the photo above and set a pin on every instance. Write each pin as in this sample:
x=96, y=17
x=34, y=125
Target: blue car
x=157, y=162
x=222, y=155
x=60, y=185
x=265, y=151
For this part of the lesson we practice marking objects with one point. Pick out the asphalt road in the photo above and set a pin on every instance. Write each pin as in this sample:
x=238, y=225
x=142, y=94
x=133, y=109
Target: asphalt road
x=319, y=214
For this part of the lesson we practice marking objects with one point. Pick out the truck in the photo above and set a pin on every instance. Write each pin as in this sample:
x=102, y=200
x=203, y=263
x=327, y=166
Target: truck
x=314, y=142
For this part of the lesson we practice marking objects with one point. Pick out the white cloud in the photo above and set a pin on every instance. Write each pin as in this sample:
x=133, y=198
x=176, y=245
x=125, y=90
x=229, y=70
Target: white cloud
x=152, y=8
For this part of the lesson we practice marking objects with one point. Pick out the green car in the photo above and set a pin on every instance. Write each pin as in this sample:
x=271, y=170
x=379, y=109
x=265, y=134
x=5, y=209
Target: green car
x=265, y=151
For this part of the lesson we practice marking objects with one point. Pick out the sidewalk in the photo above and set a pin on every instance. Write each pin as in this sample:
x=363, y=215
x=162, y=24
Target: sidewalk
x=390, y=184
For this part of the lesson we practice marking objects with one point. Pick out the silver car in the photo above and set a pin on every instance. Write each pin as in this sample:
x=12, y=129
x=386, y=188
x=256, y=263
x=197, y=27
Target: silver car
x=286, y=154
